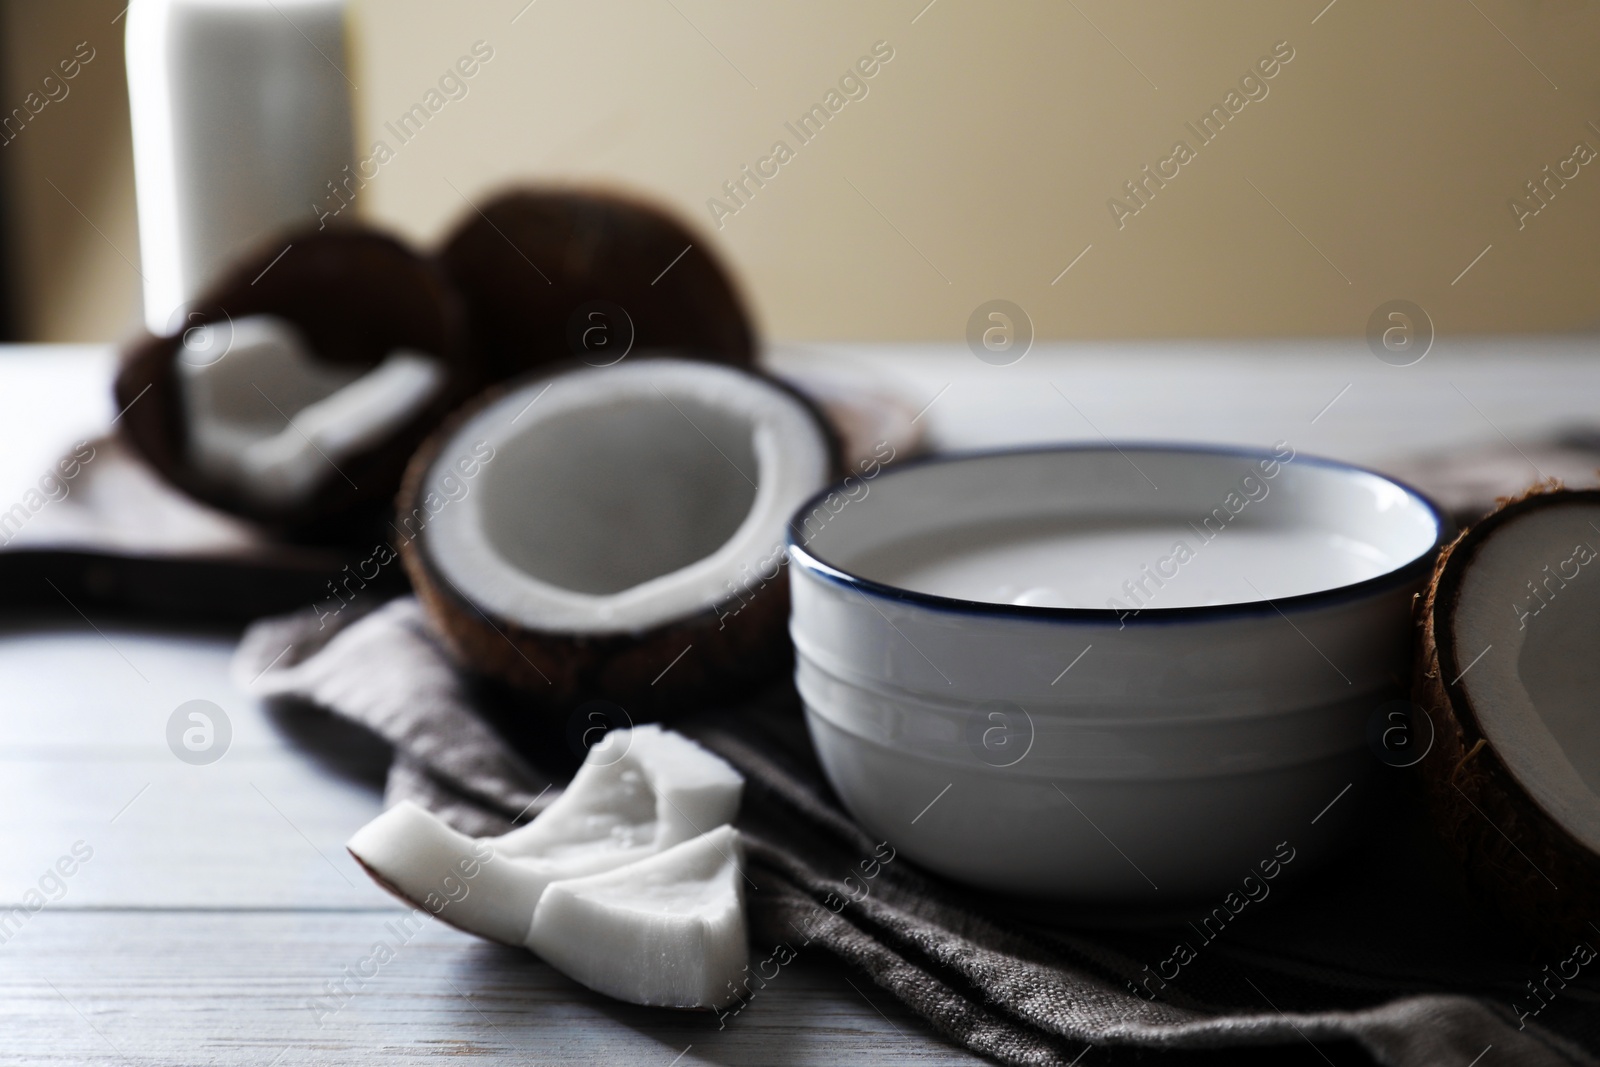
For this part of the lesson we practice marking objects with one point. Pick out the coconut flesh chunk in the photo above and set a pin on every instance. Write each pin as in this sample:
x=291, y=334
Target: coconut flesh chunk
x=272, y=421
x=667, y=931
x=627, y=497
x=639, y=792
x=1531, y=597
x=461, y=880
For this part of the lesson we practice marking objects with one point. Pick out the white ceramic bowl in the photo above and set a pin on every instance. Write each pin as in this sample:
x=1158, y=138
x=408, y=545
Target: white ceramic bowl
x=1011, y=672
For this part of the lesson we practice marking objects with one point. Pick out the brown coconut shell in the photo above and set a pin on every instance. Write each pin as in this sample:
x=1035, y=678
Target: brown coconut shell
x=734, y=646
x=530, y=260
x=355, y=295
x=1519, y=861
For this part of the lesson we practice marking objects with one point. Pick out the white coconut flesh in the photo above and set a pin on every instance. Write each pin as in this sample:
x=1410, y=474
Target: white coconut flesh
x=1526, y=629
x=271, y=420
x=622, y=498
x=639, y=792
x=668, y=931
x=461, y=880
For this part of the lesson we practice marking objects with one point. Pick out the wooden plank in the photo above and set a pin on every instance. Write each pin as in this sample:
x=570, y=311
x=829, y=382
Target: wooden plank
x=1467, y=390
x=51, y=397
x=84, y=756
x=129, y=987
x=218, y=901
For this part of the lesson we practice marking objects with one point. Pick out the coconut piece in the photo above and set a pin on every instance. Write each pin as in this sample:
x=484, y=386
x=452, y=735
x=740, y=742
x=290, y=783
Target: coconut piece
x=639, y=792
x=461, y=880
x=532, y=261
x=626, y=541
x=355, y=298
x=1508, y=674
x=668, y=931
x=274, y=421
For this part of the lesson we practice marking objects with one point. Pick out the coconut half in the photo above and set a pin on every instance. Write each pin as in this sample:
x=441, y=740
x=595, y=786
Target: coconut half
x=538, y=267
x=276, y=423
x=669, y=931
x=639, y=792
x=624, y=538
x=1509, y=675
x=295, y=390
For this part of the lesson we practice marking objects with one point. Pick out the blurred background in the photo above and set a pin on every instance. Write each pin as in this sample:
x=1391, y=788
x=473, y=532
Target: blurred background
x=1381, y=163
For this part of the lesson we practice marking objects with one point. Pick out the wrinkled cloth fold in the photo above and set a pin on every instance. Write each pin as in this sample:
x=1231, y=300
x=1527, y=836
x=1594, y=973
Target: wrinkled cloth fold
x=1381, y=959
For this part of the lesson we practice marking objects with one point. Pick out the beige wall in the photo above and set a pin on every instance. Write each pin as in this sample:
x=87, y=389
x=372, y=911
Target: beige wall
x=73, y=247
x=980, y=163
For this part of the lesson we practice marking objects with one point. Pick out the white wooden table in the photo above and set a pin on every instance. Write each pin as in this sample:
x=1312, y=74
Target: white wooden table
x=219, y=904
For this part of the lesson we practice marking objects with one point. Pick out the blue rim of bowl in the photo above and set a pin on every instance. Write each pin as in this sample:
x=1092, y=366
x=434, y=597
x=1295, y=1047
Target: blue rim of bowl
x=1321, y=598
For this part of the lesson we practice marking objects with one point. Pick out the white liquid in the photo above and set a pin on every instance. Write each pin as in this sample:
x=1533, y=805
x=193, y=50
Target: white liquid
x=1059, y=563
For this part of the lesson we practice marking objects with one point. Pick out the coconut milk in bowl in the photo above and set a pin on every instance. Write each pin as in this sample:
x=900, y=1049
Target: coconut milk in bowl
x=1011, y=660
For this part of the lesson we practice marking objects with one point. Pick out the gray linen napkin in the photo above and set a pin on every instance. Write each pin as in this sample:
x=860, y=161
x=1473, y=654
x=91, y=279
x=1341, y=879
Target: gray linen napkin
x=1379, y=961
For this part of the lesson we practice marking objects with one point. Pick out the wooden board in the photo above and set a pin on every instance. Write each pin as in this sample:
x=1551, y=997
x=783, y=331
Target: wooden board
x=253, y=987
x=219, y=901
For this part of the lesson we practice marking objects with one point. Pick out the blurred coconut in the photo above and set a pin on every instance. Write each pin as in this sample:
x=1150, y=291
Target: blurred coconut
x=554, y=274
x=294, y=391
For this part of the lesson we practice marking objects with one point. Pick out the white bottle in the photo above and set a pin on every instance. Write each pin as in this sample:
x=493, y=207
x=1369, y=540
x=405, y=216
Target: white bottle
x=241, y=117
